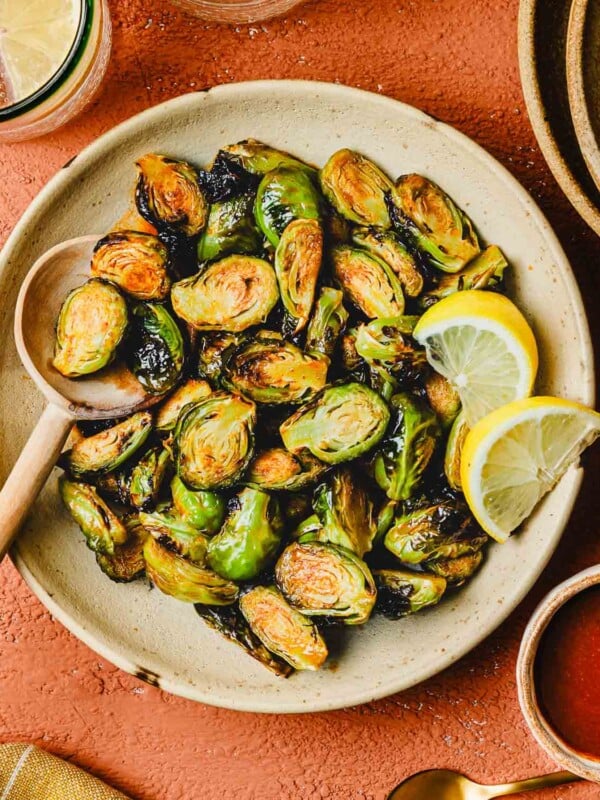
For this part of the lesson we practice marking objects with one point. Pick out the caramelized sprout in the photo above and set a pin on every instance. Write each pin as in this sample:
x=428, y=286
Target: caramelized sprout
x=155, y=348
x=230, y=229
x=345, y=513
x=357, y=188
x=211, y=349
x=485, y=271
x=204, y=511
x=285, y=194
x=147, y=477
x=443, y=398
x=175, y=534
x=126, y=563
x=367, y=282
x=259, y=158
x=327, y=322
x=386, y=345
x=385, y=245
x=191, y=392
x=456, y=570
x=102, y=529
x=401, y=592
x=454, y=445
x=136, y=262
x=277, y=469
x=297, y=264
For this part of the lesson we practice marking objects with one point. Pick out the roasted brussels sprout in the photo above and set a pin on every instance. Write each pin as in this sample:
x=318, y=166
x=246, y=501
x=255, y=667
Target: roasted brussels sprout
x=231, y=623
x=147, y=477
x=400, y=592
x=277, y=469
x=107, y=450
x=259, y=158
x=229, y=295
x=485, y=271
x=321, y=579
x=204, y=511
x=126, y=563
x=114, y=485
x=385, y=519
x=430, y=222
x=250, y=538
x=387, y=346
x=454, y=445
x=386, y=246
x=155, y=348
x=214, y=441
x=184, y=580
x=191, y=392
x=136, y=262
x=91, y=323
x=309, y=530
x=285, y=194
x=175, y=534
x=367, y=282
x=345, y=512
x=226, y=178
x=274, y=371
x=351, y=361
x=327, y=322
x=211, y=349
x=356, y=187
x=456, y=570
x=230, y=229
x=407, y=448
x=283, y=630
x=443, y=398
x=102, y=529
x=169, y=196
x=297, y=264
x=340, y=423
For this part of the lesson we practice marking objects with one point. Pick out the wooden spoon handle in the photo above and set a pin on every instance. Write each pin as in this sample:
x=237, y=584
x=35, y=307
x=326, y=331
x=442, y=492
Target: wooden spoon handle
x=529, y=785
x=31, y=471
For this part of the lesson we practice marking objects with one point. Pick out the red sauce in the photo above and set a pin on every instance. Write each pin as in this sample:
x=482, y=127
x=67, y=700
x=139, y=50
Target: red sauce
x=568, y=673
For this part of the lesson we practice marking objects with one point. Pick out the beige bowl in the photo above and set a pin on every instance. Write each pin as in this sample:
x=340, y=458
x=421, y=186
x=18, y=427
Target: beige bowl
x=557, y=749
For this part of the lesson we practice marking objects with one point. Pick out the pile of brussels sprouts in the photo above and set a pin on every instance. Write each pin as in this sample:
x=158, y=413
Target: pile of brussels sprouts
x=302, y=466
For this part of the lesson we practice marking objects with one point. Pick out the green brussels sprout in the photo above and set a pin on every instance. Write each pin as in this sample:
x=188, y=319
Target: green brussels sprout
x=169, y=196
x=175, y=534
x=230, y=623
x=284, y=631
x=385, y=519
x=340, y=423
x=384, y=383
x=276, y=469
x=230, y=229
x=147, y=477
x=204, y=511
x=407, y=448
x=126, y=563
x=431, y=223
x=441, y=530
x=387, y=247
x=114, y=485
x=400, y=592
x=367, y=282
x=184, y=580
x=345, y=512
x=357, y=188
x=351, y=361
x=136, y=262
x=102, y=529
x=274, y=371
x=214, y=441
x=155, y=348
x=107, y=450
x=91, y=323
x=211, y=349
x=285, y=194
x=250, y=537
x=456, y=571
x=485, y=271
x=443, y=398
x=259, y=158
x=309, y=530
x=229, y=295
x=190, y=392
x=327, y=322
x=297, y=265
x=321, y=579
x=454, y=445
x=387, y=346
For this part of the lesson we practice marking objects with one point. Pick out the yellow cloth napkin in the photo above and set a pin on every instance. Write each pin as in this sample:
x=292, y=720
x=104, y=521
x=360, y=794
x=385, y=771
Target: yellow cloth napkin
x=27, y=773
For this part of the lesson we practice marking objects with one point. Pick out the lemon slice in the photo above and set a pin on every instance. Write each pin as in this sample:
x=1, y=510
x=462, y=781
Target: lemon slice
x=35, y=39
x=516, y=454
x=482, y=343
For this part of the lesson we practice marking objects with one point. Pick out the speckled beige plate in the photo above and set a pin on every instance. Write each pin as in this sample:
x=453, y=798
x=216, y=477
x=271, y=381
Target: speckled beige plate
x=147, y=633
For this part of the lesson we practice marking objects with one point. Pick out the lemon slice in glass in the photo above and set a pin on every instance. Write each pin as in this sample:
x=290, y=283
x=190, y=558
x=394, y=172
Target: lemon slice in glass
x=516, y=454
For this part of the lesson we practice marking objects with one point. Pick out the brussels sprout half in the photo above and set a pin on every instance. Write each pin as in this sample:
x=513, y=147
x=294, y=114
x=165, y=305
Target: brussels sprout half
x=367, y=282
x=340, y=423
x=136, y=262
x=191, y=392
x=387, y=247
x=102, y=529
x=443, y=398
x=126, y=563
x=230, y=229
x=456, y=570
x=400, y=592
x=485, y=271
x=321, y=579
x=91, y=323
x=155, y=348
x=204, y=511
x=284, y=631
x=211, y=350
x=147, y=477
x=386, y=345
x=175, y=534
x=356, y=187
x=454, y=445
x=229, y=295
x=259, y=158
x=327, y=322
x=277, y=469
x=285, y=194
x=297, y=265
x=345, y=512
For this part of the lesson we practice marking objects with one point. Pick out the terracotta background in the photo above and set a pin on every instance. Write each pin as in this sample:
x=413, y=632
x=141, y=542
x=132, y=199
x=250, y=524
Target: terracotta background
x=457, y=60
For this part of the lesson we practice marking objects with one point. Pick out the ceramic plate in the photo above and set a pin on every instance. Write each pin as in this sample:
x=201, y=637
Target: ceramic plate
x=162, y=640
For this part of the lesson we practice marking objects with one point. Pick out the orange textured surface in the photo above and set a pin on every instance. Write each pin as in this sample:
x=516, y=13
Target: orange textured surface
x=457, y=60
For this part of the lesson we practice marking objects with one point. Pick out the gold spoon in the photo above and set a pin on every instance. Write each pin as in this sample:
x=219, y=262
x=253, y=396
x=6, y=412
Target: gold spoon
x=443, y=784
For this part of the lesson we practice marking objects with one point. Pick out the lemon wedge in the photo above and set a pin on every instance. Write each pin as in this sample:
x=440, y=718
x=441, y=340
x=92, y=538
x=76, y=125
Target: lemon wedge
x=516, y=454
x=483, y=345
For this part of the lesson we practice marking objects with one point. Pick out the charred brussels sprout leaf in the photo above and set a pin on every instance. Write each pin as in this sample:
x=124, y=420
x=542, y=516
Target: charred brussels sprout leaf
x=91, y=323
x=407, y=448
x=102, y=529
x=185, y=580
x=169, y=196
x=107, y=450
x=432, y=223
x=259, y=158
x=214, y=440
x=175, y=534
x=204, y=511
x=126, y=563
x=136, y=262
x=226, y=178
x=356, y=187
x=443, y=398
x=272, y=371
x=250, y=538
x=456, y=570
x=486, y=271
x=155, y=348
x=321, y=579
x=327, y=322
x=387, y=247
x=285, y=194
x=297, y=264
x=147, y=477
x=284, y=631
x=277, y=469
x=230, y=295
x=367, y=282
x=211, y=349
x=191, y=392
x=230, y=229
x=340, y=423
x=400, y=592
x=345, y=512
x=387, y=346
x=454, y=445
x=114, y=485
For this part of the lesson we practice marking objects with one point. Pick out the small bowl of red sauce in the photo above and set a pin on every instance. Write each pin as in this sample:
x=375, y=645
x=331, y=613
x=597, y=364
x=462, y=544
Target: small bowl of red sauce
x=558, y=674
